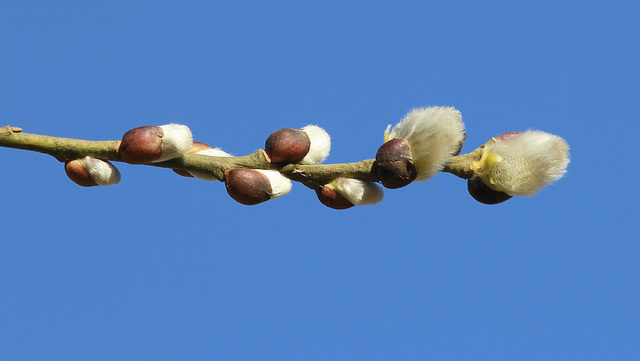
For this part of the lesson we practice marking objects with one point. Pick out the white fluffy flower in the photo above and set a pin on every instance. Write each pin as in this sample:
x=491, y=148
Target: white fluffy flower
x=319, y=147
x=523, y=164
x=358, y=192
x=101, y=171
x=280, y=185
x=176, y=140
x=433, y=134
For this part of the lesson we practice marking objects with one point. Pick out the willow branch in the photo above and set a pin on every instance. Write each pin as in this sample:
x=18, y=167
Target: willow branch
x=460, y=165
x=62, y=149
x=312, y=176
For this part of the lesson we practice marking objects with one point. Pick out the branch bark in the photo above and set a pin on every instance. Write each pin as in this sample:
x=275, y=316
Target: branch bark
x=312, y=176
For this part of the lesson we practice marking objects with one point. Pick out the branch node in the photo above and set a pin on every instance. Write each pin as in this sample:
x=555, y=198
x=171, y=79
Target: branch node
x=7, y=130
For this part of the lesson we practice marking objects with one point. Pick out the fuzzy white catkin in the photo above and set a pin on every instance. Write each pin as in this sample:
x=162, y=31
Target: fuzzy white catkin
x=359, y=192
x=320, y=145
x=433, y=134
x=176, y=140
x=280, y=185
x=526, y=163
x=214, y=152
x=101, y=171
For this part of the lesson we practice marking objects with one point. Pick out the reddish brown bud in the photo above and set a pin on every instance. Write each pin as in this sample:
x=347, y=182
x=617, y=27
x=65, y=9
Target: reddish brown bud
x=247, y=186
x=483, y=194
x=141, y=145
x=328, y=196
x=287, y=145
x=394, y=166
x=78, y=173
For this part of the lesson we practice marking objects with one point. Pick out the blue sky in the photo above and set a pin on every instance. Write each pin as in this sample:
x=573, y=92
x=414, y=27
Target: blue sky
x=167, y=268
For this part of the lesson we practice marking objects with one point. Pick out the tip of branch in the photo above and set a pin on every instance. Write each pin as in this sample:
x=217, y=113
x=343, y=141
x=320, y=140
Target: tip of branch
x=9, y=129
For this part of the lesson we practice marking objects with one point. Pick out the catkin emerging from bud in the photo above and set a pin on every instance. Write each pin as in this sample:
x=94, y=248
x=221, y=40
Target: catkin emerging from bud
x=309, y=145
x=483, y=194
x=319, y=147
x=343, y=193
x=253, y=186
x=89, y=172
x=522, y=164
x=287, y=145
x=434, y=135
x=359, y=192
x=149, y=144
x=394, y=164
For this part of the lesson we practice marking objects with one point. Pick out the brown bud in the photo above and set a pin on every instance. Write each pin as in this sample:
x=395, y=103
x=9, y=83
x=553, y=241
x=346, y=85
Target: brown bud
x=141, y=145
x=328, y=196
x=195, y=148
x=483, y=194
x=78, y=173
x=287, y=145
x=394, y=166
x=247, y=186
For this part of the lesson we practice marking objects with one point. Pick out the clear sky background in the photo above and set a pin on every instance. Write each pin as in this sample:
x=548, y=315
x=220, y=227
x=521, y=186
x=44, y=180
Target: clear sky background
x=162, y=267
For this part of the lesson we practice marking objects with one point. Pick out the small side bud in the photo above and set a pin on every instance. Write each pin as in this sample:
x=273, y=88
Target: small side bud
x=483, y=194
x=89, y=172
x=394, y=165
x=359, y=192
x=203, y=149
x=254, y=186
x=150, y=143
x=195, y=148
x=78, y=173
x=343, y=193
x=331, y=198
x=287, y=145
x=198, y=147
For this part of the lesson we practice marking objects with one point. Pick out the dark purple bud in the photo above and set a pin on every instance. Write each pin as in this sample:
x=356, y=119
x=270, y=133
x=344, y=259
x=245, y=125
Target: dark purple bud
x=287, y=145
x=141, y=145
x=247, y=186
x=394, y=165
x=483, y=194
x=328, y=196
